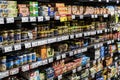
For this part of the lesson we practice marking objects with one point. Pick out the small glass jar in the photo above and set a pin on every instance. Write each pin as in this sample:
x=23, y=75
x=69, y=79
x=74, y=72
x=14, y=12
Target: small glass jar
x=16, y=62
x=17, y=35
x=5, y=35
x=33, y=56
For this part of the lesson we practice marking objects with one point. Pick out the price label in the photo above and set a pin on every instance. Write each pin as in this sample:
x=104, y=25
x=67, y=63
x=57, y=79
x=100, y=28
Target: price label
x=4, y=74
x=73, y=16
x=8, y=48
x=58, y=57
x=1, y=20
x=74, y=70
x=57, y=17
x=75, y=52
x=34, y=44
x=25, y=68
x=72, y=36
x=59, y=77
x=45, y=62
x=17, y=46
x=10, y=20
x=88, y=65
x=40, y=18
x=42, y=42
x=52, y=40
x=105, y=15
x=14, y=71
x=25, y=19
x=112, y=41
x=103, y=58
x=79, y=51
x=79, y=68
x=117, y=2
x=81, y=16
x=71, y=53
x=59, y=38
x=32, y=19
x=91, y=0
x=107, y=1
x=47, y=18
x=34, y=65
x=28, y=45
x=50, y=60
x=96, y=16
x=99, y=0
x=65, y=37
x=85, y=34
x=40, y=63
x=92, y=16
x=63, y=56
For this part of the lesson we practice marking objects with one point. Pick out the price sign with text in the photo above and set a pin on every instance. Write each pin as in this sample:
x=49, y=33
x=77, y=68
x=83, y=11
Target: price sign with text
x=25, y=67
x=28, y=45
x=25, y=19
x=17, y=46
x=32, y=19
x=14, y=71
x=1, y=20
x=10, y=20
x=40, y=18
x=8, y=48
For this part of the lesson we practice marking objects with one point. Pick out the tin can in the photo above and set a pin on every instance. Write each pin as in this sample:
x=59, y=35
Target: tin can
x=25, y=59
x=16, y=62
x=29, y=58
x=11, y=36
x=10, y=64
x=3, y=67
x=17, y=36
x=33, y=56
x=20, y=60
x=5, y=35
x=24, y=35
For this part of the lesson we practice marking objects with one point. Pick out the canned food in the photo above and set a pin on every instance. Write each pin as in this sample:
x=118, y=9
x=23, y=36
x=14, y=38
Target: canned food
x=16, y=62
x=24, y=59
x=17, y=36
x=24, y=35
x=34, y=56
x=11, y=35
x=29, y=58
x=3, y=59
x=3, y=67
x=20, y=60
x=10, y=64
x=5, y=35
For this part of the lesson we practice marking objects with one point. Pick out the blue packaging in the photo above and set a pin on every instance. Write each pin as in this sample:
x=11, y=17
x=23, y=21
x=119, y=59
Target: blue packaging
x=10, y=63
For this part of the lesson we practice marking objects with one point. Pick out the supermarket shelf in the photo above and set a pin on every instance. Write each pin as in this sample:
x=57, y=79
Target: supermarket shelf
x=39, y=42
x=45, y=18
x=50, y=60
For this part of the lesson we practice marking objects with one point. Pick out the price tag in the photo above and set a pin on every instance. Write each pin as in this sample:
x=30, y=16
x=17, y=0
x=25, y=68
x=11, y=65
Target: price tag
x=34, y=44
x=59, y=77
x=4, y=74
x=107, y=1
x=28, y=45
x=112, y=41
x=47, y=18
x=117, y=2
x=99, y=0
x=57, y=17
x=63, y=56
x=91, y=0
x=75, y=52
x=72, y=36
x=14, y=71
x=8, y=48
x=92, y=16
x=10, y=20
x=105, y=15
x=74, y=70
x=1, y=20
x=59, y=38
x=65, y=37
x=50, y=60
x=32, y=19
x=40, y=18
x=25, y=19
x=79, y=51
x=42, y=42
x=96, y=16
x=45, y=62
x=25, y=67
x=58, y=57
x=52, y=40
x=34, y=65
x=103, y=58
x=17, y=46
x=40, y=63
x=85, y=34
x=79, y=68
x=71, y=53
x=73, y=16
x=95, y=46
x=81, y=16
x=88, y=65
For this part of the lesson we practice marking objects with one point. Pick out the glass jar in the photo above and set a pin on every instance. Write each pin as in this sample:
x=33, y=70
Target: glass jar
x=17, y=35
x=29, y=58
x=25, y=59
x=20, y=59
x=24, y=35
x=10, y=64
x=33, y=56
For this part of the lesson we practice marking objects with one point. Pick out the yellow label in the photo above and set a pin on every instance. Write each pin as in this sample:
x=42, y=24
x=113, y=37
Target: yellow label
x=63, y=18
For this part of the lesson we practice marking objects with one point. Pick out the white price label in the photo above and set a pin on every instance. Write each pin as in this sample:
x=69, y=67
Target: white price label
x=71, y=36
x=96, y=16
x=58, y=57
x=71, y=53
x=63, y=56
x=14, y=71
x=73, y=16
x=95, y=46
x=45, y=62
x=99, y=0
x=85, y=34
x=117, y=2
x=79, y=68
x=57, y=17
x=65, y=37
x=47, y=18
x=88, y=65
x=79, y=50
x=103, y=58
x=92, y=16
x=107, y=1
x=28, y=45
x=25, y=19
x=34, y=44
x=1, y=20
x=50, y=60
x=10, y=20
x=81, y=16
x=105, y=15
x=34, y=65
x=51, y=40
x=75, y=52
x=40, y=63
x=59, y=38
x=74, y=70
x=32, y=19
x=42, y=42
x=40, y=18
x=17, y=46
x=59, y=77
x=4, y=74
x=25, y=67
x=8, y=48
x=90, y=0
